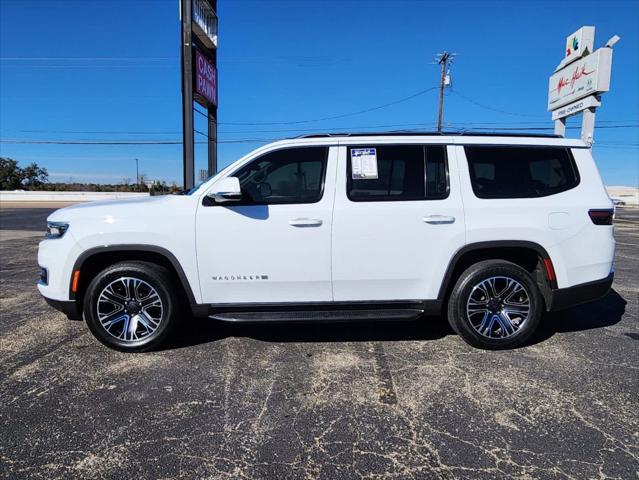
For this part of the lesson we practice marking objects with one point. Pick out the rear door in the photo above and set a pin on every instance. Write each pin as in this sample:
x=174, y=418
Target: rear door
x=398, y=219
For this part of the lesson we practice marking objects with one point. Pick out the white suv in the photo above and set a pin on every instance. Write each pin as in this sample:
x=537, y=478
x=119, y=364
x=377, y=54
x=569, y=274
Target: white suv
x=494, y=230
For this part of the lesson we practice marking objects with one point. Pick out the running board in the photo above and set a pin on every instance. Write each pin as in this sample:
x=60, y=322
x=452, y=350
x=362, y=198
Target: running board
x=319, y=315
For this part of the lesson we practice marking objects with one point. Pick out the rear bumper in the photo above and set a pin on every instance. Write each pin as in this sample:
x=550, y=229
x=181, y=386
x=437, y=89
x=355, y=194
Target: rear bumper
x=563, y=298
x=68, y=307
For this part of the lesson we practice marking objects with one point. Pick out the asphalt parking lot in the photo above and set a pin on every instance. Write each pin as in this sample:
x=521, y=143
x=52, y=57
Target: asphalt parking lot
x=398, y=400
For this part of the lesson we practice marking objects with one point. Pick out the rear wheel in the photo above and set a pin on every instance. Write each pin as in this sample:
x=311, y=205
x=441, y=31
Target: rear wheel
x=495, y=305
x=130, y=306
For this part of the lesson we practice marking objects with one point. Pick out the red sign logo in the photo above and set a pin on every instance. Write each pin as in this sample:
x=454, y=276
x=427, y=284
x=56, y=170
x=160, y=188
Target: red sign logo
x=205, y=78
x=577, y=74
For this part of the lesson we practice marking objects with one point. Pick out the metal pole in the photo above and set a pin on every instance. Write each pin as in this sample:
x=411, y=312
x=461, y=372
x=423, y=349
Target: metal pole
x=212, y=114
x=442, y=61
x=560, y=126
x=137, y=175
x=212, y=150
x=187, y=97
x=588, y=125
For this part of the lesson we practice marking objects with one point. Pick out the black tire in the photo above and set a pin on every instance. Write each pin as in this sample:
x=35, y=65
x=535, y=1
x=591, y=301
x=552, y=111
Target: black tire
x=468, y=317
x=150, y=275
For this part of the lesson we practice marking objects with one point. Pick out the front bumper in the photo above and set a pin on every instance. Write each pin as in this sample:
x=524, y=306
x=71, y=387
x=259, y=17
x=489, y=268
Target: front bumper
x=57, y=256
x=563, y=298
x=68, y=307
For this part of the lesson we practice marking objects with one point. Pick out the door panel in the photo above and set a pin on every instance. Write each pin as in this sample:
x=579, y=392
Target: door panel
x=394, y=249
x=270, y=250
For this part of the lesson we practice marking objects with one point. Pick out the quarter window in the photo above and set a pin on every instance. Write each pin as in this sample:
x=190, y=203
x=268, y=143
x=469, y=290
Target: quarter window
x=520, y=172
x=404, y=172
x=293, y=175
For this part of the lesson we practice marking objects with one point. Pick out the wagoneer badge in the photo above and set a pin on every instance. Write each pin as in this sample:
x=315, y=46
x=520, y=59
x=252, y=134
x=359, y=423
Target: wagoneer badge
x=244, y=278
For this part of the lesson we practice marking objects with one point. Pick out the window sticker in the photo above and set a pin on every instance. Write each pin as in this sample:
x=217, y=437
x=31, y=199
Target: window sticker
x=364, y=163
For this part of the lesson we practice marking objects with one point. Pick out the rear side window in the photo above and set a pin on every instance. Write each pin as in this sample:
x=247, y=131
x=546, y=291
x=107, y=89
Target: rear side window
x=520, y=172
x=404, y=172
x=293, y=175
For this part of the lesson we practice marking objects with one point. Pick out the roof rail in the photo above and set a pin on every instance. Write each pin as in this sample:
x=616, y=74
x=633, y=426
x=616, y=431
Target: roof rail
x=409, y=133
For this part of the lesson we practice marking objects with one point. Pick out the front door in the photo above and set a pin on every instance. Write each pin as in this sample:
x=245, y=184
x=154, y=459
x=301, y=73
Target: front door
x=398, y=220
x=274, y=245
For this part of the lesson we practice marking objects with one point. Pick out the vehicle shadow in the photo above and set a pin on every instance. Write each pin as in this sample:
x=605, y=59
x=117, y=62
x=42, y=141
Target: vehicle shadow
x=193, y=331
x=601, y=313
x=197, y=331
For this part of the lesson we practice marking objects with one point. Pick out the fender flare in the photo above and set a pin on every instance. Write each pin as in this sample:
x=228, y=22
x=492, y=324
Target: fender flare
x=84, y=256
x=541, y=251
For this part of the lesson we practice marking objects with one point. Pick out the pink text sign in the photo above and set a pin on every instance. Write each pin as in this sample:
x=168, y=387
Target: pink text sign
x=205, y=78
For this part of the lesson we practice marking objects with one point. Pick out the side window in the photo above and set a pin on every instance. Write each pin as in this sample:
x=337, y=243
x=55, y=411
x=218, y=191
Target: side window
x=436, y=172
x=293, y=175
x=520, y=172
x=404, y=172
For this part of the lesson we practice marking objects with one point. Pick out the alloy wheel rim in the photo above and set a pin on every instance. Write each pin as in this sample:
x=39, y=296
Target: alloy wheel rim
x=129, y=309
x=498, y=307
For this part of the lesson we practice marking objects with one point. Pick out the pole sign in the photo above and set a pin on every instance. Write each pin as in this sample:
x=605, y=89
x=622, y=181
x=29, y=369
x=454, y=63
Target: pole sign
x=576, y=107
x=579, y=79
x=205, y=80
x=198, y=52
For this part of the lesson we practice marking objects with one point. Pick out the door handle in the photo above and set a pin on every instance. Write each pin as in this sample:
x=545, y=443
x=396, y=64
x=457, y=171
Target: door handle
x=305, y=222
x=438, y=219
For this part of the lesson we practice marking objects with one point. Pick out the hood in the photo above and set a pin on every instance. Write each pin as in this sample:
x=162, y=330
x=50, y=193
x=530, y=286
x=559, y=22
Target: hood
x=119, y=208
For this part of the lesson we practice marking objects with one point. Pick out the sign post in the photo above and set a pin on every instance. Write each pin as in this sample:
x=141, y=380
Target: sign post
x=199, y=79
x=579, y=80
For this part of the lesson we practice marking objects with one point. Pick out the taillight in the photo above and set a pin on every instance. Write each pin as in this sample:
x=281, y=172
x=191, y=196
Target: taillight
x=550, y=270
x=601, y=217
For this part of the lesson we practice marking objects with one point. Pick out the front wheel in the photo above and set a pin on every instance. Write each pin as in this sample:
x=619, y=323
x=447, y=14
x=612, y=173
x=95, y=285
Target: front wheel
x=495, y=305
x=130, y=306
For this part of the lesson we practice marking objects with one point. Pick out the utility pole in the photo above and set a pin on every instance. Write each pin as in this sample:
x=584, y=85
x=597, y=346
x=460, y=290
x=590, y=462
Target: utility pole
x=444, y=59
x=137, y=176
x=188, y=140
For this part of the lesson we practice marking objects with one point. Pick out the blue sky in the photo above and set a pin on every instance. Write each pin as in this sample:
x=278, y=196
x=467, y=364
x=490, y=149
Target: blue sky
x=109, y=70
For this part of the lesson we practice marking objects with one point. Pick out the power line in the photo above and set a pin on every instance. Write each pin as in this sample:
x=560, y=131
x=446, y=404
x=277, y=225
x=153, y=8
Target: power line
x=618, y=146
x=532, y=122
x=82, y=59
x=487, y=107
x=529, y=124
x=126, y=142
x=544, y=128
x=252, y=140
x=333, y=117
x=92, y=142
x=106, y=132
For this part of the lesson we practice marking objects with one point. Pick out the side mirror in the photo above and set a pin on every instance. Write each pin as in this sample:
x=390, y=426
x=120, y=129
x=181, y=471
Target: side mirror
x=226, y=190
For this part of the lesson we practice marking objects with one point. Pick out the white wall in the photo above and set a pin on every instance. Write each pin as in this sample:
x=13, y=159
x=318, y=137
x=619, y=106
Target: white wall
x=22, y=196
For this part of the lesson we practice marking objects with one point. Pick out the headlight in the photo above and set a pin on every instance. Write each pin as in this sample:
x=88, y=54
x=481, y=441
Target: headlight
x=56, y=229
